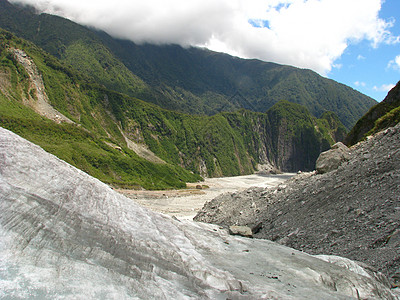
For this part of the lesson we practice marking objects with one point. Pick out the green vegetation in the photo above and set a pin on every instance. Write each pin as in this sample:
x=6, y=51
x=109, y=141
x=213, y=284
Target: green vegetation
x=336, y=130
x=82, y=146
x=88, y=78
x=383, y=115
x=234, y=143
x=103, y=67
x=298, y=131
x=117, y=167
x=224, y=144
x=390, y=119
x=213, y=80
x=193, y=80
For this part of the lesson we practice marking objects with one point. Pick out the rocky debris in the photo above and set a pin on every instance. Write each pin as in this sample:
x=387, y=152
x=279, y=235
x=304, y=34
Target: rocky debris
x=142, y=150
x=266, y=169
x=331, y=160
x=396, y=280
x=353, y=211
x=66, y=235
x=240, y=230
x=41, y=104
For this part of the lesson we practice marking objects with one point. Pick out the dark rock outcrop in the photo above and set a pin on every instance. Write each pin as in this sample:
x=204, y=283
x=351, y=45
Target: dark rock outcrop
x=353, y=211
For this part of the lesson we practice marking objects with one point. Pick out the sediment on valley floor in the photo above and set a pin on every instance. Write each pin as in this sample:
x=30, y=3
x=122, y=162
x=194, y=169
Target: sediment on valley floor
x=353, y=211
x=185, y=203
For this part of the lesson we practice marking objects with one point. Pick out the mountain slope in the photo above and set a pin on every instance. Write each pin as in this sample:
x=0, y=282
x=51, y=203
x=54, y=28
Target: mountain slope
x=92, y=139
x=107, y=126
x=383, y=115
x=190, y=80
x=212, y=76
x=73, y=43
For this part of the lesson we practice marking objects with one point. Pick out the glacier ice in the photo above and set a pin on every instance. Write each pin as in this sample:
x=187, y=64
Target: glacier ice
x=66, y=235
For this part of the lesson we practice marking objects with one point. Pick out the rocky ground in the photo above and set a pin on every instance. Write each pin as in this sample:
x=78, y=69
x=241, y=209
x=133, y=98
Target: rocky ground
x=353, y=211
x=40, y=103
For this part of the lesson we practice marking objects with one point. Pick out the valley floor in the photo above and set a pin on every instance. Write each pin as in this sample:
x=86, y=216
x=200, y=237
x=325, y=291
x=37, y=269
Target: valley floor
x=184, y=204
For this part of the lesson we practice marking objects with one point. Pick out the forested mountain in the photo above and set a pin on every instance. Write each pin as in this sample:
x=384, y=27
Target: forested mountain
x=127, y=142
x=193, y=80
x=70, y=116
x=159, y=116
x=381, y=116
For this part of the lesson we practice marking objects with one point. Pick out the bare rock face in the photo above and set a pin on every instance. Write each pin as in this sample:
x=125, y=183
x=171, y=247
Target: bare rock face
x=65, y=235
x=331, y=160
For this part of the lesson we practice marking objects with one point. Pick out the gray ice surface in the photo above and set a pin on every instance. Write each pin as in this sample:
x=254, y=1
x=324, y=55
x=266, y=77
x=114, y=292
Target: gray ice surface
x=66, y=235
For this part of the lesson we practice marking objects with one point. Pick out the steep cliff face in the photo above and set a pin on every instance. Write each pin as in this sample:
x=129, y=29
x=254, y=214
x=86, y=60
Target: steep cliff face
x=337, y=131
x=296, y=137
x=286, y=137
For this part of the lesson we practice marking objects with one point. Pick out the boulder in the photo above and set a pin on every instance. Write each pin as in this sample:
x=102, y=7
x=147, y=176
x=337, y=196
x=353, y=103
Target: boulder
x=267, y=169
x=331, y=160
x=394, y=238
x=241, y=230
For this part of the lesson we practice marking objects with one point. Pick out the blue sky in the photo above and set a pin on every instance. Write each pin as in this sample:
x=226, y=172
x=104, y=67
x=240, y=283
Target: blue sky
x=372, y=70
x=355, y=42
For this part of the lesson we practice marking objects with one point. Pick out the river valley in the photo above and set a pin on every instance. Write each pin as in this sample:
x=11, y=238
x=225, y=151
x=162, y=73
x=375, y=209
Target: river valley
x=185, y=203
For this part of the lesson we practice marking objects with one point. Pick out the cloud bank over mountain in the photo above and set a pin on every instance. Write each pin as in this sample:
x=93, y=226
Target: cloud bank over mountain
x=304, y=33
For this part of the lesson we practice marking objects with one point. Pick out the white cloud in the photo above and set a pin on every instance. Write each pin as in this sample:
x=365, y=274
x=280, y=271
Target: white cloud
x=360, y=83
x=395, y=63
x=304, y=33
x=337, y=66
x=384, y=87
x=360, y=57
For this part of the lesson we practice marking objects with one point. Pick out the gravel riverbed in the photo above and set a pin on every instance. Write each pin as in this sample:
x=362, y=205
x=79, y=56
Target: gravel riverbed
x=185, y=203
